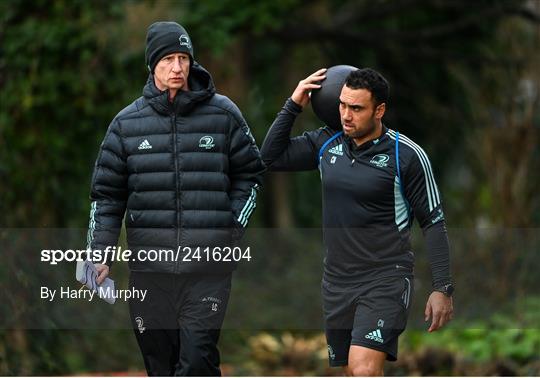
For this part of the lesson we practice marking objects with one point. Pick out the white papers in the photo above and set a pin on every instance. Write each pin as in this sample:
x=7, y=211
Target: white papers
x=87, y=274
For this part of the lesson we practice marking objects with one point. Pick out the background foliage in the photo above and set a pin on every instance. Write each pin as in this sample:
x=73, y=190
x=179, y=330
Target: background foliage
x=465, y=83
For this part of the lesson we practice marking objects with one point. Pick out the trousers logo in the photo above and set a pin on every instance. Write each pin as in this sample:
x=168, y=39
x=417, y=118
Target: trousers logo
x=140, y=323
x=206, y=142
x=211, y=299
x=380, y=160
x=214, y=302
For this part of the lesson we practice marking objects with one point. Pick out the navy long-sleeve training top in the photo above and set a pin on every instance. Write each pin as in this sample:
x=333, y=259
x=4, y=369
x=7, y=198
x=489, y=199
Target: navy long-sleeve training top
x=368, y=208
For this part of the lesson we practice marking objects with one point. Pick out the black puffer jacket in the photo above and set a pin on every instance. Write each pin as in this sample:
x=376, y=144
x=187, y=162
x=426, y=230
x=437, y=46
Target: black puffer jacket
x=184, y=173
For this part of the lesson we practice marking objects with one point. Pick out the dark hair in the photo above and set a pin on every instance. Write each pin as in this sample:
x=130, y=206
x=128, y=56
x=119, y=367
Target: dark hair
x=367, y=78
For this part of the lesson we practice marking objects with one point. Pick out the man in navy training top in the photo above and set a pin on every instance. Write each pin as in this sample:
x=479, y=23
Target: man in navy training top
x=374, y=182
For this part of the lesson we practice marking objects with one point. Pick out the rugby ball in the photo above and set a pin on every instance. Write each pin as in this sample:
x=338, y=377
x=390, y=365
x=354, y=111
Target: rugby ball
x=325, y=100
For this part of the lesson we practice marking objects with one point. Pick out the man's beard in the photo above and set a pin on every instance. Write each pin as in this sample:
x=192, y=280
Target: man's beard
x=358, y=134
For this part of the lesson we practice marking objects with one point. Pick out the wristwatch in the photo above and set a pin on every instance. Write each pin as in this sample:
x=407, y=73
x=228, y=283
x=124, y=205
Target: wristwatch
x=447, y=289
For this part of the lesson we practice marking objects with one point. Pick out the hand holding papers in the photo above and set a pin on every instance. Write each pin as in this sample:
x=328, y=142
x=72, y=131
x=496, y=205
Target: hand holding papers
x=87, y=274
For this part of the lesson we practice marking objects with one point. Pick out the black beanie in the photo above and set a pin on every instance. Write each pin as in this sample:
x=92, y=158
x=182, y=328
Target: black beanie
x=164, y=38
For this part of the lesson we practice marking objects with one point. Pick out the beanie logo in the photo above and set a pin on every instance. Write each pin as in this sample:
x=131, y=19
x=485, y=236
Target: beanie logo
x=184, y=41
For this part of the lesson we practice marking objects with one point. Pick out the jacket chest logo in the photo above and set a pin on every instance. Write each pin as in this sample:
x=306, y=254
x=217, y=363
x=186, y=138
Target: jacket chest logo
x=145, y=145
x=206, y=142
x=380, y=160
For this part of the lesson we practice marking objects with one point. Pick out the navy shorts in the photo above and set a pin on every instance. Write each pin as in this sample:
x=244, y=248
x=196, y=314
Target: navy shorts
x=371, y=314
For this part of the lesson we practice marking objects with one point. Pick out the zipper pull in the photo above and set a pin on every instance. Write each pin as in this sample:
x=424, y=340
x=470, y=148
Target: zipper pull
x=352, y=162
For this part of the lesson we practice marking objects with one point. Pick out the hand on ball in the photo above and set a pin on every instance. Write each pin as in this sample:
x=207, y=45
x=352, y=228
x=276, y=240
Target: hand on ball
x=301, y=93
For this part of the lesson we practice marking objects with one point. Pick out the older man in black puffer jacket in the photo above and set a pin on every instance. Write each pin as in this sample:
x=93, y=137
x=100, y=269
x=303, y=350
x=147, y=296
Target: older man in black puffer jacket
x=182, y=166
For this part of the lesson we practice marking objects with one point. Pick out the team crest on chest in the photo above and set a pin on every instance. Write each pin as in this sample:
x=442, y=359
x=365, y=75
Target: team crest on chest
x=380, y=160
x=206, y=142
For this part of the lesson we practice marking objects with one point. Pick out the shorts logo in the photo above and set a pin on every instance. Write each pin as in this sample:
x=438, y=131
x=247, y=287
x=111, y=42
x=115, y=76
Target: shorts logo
x=375, y=336
x=380, y=323
x=331, y=353
x=380, y=160
x=333, y=160
x=140, y=323
x=406, y=295
x=206, y=142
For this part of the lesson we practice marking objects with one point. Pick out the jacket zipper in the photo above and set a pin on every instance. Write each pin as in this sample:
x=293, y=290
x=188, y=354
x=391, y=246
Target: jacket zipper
x=176, y=178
